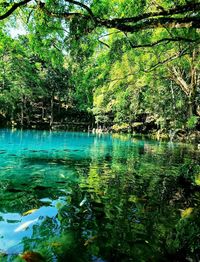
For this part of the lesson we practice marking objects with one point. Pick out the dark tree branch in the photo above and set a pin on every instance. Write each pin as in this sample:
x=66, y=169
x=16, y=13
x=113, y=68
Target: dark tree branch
x=171, y=58
x=133, y=26
x=179, y=9
x=103, y=43
x=160, y=22
x=29, y=16
x=65, y=15
x=13, y=8
x=167, y=40
x=83, y=6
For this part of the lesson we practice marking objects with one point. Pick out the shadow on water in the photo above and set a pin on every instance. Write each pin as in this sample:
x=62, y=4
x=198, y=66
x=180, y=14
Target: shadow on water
x=111, y=200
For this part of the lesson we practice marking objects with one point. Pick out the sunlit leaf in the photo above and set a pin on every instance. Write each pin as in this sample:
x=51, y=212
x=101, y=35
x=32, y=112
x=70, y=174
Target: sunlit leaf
x=133, y=199
x=185, y=213
x=197, y=179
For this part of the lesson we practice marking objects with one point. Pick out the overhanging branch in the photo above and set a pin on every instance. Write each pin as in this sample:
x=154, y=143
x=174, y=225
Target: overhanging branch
x=83, y=6
x=171, y=18
x=160, y=22
x=13, y=8
x=103, y=43
x=64, y=15
x=167, y=40
x=179, y=9
x=169, y=59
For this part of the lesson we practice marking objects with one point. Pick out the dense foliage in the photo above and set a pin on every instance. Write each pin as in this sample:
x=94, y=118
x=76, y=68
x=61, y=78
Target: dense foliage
x=134, y=65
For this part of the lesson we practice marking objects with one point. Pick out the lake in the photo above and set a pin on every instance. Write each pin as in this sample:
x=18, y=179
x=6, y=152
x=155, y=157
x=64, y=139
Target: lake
x=86, y=197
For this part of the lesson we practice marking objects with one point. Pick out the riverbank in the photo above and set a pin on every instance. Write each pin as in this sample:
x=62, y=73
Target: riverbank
x=177, y=135
x=171, y=135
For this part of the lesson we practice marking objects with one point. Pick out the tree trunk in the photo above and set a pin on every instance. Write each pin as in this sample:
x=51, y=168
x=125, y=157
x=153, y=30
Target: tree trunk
x=188, y=85
x=192, y=106
x=51, y=111
x=190, y=109
x=22, y=113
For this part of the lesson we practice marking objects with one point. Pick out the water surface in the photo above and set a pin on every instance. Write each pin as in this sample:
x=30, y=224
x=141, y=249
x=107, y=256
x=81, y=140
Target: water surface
x=85, y=197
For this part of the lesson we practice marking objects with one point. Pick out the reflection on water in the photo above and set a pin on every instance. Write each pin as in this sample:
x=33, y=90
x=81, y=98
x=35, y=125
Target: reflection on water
x=84, y=197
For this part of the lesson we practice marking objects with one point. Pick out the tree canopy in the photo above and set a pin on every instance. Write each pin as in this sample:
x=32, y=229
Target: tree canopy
x=124, y=62
x=125, y=16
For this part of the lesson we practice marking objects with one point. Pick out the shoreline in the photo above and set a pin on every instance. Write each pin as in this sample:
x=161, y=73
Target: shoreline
x=177, y=135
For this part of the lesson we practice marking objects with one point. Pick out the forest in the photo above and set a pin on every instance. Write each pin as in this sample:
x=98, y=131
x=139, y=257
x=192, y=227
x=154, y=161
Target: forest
x=121, y=66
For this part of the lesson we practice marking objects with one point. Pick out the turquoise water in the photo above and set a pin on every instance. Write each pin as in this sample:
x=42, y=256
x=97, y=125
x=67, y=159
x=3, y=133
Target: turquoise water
x=86, y=197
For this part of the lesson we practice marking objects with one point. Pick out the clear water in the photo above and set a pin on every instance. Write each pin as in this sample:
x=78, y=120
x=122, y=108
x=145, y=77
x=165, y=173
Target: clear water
x=84, y=197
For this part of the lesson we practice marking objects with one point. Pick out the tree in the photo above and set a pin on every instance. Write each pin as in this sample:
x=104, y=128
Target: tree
x=27, y=76
x=187, y=78
x=140, y=15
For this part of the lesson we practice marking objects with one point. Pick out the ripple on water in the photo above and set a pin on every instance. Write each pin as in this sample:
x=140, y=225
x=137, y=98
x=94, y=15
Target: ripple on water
x=95, y=198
